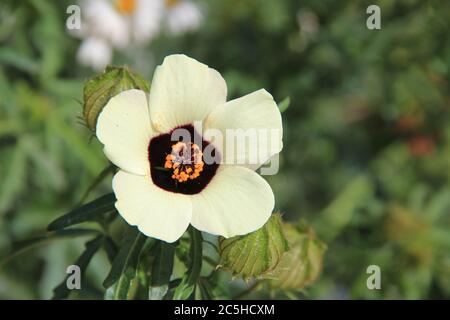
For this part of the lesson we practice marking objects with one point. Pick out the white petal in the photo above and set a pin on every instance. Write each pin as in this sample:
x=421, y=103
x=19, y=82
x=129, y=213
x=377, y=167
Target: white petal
x=95, y=53
x=236, y=201
x=255, y=120
x=157, y=213
x=124, y=128
x=183, y=17
x=184, y=90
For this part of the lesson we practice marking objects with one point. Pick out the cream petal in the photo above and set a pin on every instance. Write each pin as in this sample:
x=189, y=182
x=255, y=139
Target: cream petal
x=124, y=128
x=255, y=120
x=183, y=91
x=157, y=213
x=237, y=201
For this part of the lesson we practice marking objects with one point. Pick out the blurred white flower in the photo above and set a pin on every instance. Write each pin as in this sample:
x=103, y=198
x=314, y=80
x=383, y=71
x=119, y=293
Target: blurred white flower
x=123, y=23
x=182, y=16
x=95, y=52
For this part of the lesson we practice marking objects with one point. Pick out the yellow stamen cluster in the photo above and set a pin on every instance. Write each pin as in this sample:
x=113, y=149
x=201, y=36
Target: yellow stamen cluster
x=186, y=160
x=126, y=6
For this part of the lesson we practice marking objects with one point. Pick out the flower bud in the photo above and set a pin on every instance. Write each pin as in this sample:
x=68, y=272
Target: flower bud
x=302, y=263
x=256, y=253
x=99, y=89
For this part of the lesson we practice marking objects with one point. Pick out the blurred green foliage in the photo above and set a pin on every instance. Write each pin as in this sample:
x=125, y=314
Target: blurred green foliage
x=366, y=144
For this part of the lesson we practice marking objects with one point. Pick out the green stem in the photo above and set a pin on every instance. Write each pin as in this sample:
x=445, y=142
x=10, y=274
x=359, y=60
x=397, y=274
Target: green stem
x=196, y=254
x=189, y=282
x=212, y=245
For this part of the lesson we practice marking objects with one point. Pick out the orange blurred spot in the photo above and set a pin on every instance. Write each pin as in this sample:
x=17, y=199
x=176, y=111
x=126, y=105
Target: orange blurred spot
x=409, y=122
x=172, y=3
x=421, y=145
x=126, y=6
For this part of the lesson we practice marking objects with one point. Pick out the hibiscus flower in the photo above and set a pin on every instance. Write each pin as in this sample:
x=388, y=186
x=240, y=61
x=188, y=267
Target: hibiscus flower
x=165, y=184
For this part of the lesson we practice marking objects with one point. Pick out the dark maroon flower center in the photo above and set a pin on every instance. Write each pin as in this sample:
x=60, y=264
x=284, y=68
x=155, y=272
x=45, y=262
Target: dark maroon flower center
x=161, y=147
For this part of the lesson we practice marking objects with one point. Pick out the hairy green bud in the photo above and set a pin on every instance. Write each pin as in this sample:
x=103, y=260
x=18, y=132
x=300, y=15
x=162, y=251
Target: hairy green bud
x=99, y=89
x=256, y=253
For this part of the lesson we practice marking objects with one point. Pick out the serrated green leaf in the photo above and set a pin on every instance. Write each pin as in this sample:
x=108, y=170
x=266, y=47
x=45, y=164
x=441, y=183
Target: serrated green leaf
x=187, y=286
x=87, y=212
x=124, y=268
x=161, y=270
x=92, y=246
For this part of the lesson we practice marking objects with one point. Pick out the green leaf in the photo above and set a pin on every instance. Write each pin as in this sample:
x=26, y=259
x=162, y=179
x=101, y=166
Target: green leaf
x=161, y=270
x=87, y=212
x=187, y=286
x=50, y=173
x=12, y=177
x=340, y=211
x=62, y=291
x=125, y=265
x=51, y=50
x=24, y=246
x=101, y=176
x=76, y=143
x=18, y=60
x=110, y=248
x=204, y=290
x=283, y=105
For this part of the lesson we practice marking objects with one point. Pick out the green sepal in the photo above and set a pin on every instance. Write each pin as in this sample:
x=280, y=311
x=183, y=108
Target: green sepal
x=302, y=263
x=99, y=89
x=256, y=253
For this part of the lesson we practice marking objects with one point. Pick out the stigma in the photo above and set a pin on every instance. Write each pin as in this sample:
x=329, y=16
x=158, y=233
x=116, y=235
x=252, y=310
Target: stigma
x=186, y=161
